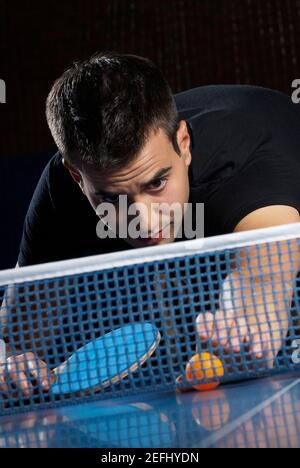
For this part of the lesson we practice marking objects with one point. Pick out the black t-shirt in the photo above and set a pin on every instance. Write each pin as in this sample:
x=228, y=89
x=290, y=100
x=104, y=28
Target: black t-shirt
x=245, y=155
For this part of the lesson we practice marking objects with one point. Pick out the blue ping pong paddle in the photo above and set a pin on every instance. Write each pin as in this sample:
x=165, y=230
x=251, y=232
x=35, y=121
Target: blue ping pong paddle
x=106, y=360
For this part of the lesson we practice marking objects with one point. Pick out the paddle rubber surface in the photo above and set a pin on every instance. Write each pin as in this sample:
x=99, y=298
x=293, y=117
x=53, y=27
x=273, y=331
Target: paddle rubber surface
x=107, y=359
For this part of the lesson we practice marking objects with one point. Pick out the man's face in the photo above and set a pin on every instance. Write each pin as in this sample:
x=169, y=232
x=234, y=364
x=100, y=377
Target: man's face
x=157, y=175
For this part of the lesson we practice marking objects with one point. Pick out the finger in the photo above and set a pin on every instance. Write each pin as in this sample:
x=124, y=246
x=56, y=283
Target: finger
x=272, y=334
x=234, y=339
x=271, y=345
x=16, y=371
x=257, y=343
x=267, y=339
x=3, y=385
x=205, y=325
x=21, y=381
x=238, y=334
x=270, y=360
x=39, y=371
x=223, y=324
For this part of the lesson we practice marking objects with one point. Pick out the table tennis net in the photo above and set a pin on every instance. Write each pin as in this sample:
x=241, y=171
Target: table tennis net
x=246, y=283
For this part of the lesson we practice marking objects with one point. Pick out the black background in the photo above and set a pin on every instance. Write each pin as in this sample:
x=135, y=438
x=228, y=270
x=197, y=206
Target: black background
x=195, y=42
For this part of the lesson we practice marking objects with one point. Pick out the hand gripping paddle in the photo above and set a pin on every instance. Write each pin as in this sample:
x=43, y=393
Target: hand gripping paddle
x=106, y=360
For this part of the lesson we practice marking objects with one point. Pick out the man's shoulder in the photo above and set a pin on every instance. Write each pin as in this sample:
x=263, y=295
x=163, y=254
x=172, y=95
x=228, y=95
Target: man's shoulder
x=55, y=165
x=224, y=94
x=52, y=184
x=228, y=125
x=58, y=182
x=54, y=168
x=236, y=117
x=228, y=100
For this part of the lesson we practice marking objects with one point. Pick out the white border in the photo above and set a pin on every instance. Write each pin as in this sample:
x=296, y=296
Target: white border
x=148, y=254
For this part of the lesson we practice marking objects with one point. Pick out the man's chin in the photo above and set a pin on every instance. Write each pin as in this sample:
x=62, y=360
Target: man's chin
x=139, y=243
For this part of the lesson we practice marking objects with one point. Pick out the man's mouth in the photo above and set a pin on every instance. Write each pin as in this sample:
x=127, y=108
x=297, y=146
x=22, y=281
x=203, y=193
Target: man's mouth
x=155, y=238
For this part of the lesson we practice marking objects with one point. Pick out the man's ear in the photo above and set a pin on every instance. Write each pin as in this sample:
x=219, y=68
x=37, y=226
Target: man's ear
x=184, y=141
x=73, y=171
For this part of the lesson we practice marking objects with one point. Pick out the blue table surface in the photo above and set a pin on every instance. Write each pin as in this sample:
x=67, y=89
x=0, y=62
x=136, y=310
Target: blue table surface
x=257, y=413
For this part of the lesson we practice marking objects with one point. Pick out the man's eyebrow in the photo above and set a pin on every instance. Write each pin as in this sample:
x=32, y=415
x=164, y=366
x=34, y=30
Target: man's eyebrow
x=162, y=172
x=159, y=174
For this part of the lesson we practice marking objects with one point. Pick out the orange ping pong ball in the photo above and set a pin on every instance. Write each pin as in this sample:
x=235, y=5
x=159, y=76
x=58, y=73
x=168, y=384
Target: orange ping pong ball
x=204, y=366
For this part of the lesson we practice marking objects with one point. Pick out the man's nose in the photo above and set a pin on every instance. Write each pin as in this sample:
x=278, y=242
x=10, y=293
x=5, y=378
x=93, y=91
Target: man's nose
x=148, y=216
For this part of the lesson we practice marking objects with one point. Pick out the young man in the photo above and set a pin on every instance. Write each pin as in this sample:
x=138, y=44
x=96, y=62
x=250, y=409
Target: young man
x=120, y=131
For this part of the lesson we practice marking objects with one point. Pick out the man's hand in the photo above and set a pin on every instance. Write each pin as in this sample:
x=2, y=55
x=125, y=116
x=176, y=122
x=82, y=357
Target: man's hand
x=20, y=372
x=256, y=297
x=250, y=316
x=255, y=301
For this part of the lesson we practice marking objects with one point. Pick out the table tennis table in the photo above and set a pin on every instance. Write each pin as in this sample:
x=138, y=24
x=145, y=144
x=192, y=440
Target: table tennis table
x=258, y=413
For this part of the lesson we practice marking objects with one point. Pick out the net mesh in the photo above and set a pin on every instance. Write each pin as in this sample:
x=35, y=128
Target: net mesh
x=236, y=300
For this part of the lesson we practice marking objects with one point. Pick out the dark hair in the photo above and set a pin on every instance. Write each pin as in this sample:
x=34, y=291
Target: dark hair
x=102, y=110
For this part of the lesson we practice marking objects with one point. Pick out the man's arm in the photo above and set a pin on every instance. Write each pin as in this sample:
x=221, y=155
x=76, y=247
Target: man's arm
x=256, y=296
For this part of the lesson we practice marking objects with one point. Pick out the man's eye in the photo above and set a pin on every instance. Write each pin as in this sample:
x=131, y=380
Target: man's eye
x=158, y=184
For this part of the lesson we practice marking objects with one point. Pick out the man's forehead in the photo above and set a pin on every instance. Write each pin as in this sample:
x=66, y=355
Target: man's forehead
x=146, y=165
